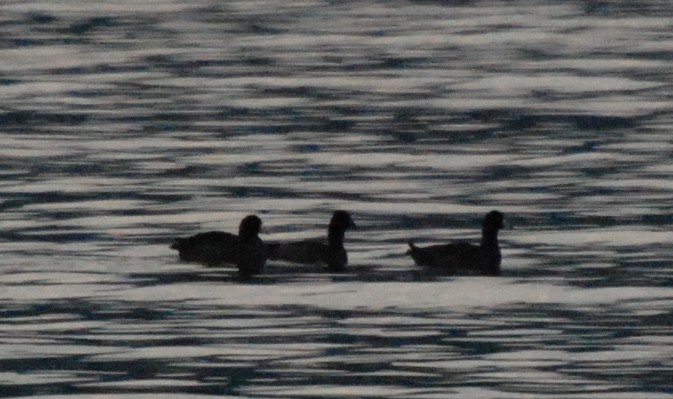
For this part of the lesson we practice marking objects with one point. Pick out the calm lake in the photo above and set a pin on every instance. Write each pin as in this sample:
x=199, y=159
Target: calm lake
x=126, y=124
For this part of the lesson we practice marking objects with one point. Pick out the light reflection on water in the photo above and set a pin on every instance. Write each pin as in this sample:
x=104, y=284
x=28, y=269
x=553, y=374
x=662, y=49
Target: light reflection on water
x=123, y=127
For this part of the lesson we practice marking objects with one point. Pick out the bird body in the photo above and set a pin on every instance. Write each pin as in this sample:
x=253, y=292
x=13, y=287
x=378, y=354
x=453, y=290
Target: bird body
x=311, y=252
x=211, y=248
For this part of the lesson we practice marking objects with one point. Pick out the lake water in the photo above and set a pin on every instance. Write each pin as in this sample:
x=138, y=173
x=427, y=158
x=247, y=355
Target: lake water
x=126, y=124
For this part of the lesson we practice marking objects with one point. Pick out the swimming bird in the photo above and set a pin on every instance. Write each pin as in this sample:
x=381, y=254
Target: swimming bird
x=464, y=258
x=331, y=253
x=246, y=250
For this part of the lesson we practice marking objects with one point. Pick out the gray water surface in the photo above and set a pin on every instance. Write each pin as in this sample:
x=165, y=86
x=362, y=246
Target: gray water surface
x=126, y=124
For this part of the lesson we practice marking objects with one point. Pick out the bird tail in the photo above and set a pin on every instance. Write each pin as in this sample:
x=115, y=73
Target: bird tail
x=411, y=249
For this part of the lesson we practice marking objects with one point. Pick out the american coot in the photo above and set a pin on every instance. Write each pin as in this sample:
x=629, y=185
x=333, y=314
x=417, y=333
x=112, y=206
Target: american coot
x=332, y=253
x=463, y=258
x=246, y=250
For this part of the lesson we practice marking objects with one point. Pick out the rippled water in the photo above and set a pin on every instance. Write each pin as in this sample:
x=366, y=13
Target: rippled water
x=125, y=124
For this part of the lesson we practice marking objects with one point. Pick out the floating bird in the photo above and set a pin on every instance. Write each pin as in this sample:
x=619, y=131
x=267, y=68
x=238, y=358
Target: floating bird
x=317, y=251
x=246, y=250
x=464, y=258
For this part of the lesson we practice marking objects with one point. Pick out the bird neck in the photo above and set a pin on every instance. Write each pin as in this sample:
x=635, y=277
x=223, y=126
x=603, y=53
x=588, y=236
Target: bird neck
x=245, y=235
x=489, y=239
x=335, y=238
x=490, y=252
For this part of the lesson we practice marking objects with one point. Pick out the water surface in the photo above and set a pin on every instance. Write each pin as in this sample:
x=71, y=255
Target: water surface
x=126, y=125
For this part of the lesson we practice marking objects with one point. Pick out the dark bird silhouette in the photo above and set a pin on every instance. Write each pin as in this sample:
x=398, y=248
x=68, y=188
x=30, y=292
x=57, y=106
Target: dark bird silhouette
x=331, y=253
x=463, y=258
x=245, y=250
